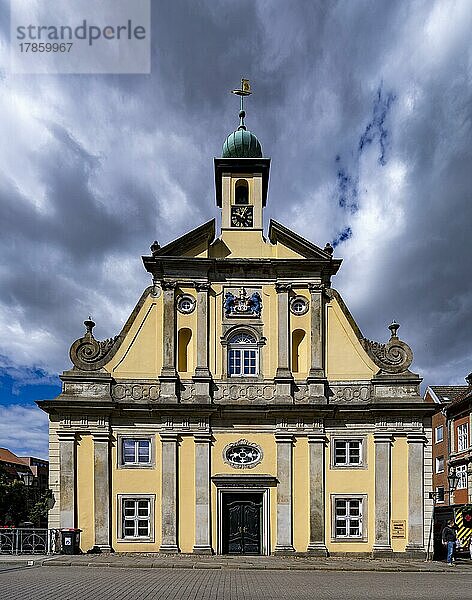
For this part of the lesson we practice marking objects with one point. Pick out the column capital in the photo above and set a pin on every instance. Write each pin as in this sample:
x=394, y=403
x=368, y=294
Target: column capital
x=202, y=286
x=169, y=436
x=282, y=287
x=169, y=285
x=316, y=288
x=202, y=438
x=66, y=436
x=284, y=438
x=317, y=438
x=383, y=438
x=101, y=436
x=416, y=438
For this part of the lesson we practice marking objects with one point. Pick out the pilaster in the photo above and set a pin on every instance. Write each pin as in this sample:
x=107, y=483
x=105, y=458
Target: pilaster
x=202, y=376
x=317, y=444
x=101, y=494
x=67, y=481
x=168, y=377
x=283, y=378
x=383, y=443
x=415, y=546
x=169, y=442
x=316, y=380
x=202, y=494
x=284, y=543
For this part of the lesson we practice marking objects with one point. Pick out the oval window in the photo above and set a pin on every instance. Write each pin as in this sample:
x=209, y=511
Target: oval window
x=243, y=454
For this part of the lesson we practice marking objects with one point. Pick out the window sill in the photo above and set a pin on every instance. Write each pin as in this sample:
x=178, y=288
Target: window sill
x=348, y=540
x=149, y=540
x=349, y=467
x=137, y=466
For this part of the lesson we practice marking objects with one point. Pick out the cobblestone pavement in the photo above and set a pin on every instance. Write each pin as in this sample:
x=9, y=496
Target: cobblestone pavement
x=65, y=583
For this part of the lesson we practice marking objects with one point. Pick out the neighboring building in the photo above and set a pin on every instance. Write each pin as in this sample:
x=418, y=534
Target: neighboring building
x=442, y=396
x=240, y=409
x=460, y=457
x=33, y=471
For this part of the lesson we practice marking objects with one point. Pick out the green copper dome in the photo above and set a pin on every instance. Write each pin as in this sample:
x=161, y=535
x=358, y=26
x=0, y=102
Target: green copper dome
x=242, y=144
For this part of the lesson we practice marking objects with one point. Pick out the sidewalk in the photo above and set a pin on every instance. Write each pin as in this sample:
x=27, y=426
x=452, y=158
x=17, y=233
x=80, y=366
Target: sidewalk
x=189, y=561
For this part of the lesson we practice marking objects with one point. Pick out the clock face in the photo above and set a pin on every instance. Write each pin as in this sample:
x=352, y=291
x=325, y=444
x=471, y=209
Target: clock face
x=241, y=216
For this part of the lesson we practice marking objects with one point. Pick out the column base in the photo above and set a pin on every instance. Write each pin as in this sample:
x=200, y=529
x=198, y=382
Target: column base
x=317, y=389
x=317, y=549
x=169, y=549
x=284, y=550
x=415, y=551
x=202, y=549
x=99, y=548
x=380, y=551
x=283, y=389
x=169, y=387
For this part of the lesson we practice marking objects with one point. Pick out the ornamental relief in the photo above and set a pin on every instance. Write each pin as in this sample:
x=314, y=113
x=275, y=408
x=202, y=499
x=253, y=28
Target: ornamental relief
x=350, y=393
x=259, y=392
x=135, y=391
x=242, y=454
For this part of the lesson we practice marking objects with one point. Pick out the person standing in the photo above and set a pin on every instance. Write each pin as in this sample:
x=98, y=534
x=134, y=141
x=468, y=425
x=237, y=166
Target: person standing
x=449, y=538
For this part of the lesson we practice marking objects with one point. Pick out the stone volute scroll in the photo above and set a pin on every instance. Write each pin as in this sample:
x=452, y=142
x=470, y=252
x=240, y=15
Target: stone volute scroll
x=89, y=354
x=393, y=357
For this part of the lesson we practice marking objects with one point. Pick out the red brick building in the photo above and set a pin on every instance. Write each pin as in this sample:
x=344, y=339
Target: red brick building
x=443, y=396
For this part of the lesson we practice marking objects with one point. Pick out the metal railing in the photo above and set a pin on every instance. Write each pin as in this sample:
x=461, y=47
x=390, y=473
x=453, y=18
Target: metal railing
x=29, y=540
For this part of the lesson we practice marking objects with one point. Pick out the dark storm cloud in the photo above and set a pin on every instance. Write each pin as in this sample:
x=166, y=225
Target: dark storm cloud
x=365, y=109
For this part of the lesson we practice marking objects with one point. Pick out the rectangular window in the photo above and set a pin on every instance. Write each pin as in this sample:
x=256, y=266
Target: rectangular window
x=348, y=517
x=439, y=434
x=242, y=362
x=136, y=517
x=135, y=451
x=440, y=494
x=347, y=453
x=462, y=437
x=461, y=472
x=440, y=464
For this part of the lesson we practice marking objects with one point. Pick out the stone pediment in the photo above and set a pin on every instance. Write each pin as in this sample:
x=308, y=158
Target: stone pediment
x=279, y=234
x=192, y=240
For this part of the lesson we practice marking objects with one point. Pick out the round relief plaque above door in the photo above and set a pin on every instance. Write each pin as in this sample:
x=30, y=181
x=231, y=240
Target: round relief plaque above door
x=242, y=454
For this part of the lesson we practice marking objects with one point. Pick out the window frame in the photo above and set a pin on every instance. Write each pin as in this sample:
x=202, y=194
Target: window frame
x=440, y=499
x=121, y=498
x=121, y=437
x=436, y=431
x=461, y=472
x=363, y=516
x=241, y=348
x=462, y=437
x=436, y=465
x=362, y=452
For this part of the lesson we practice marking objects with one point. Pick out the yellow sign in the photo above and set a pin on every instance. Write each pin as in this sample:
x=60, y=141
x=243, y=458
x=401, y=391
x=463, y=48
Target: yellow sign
x=398, y=529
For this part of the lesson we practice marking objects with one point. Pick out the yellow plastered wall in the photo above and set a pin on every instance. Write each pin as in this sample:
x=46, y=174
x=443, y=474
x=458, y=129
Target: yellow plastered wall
x=140, y=354
x=85, y=492
x=137, y=481
x=399, y=489
x=351, y=481
x=301, y=510
x=267, y=466
x=186, y=493
x=188, y=322
x=345, y=357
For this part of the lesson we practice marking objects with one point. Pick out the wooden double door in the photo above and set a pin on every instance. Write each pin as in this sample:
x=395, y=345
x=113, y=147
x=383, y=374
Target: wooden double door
x=242, y=522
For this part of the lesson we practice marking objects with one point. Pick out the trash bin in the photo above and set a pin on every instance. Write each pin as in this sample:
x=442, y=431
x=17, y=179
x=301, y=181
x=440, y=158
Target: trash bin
x=70, y=541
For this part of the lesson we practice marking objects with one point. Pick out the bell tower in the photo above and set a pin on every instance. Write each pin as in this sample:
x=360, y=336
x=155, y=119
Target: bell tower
x=242, y=176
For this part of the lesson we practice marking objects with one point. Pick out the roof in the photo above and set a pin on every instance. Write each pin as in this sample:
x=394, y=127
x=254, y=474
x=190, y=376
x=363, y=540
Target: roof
x=447, y=393
x=463, y=395
x=7, y=456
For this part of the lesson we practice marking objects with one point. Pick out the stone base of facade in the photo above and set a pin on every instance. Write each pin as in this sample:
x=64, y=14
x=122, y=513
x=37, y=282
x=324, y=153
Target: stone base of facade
x=382, y=551
x=169, y=549
x=317, y=549
x=202, y=550
x=413, y=551
x=284, y=550
x=99, y=548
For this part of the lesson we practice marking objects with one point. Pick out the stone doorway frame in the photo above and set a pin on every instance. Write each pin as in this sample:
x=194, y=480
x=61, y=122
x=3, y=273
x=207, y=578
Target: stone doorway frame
x=244, y=484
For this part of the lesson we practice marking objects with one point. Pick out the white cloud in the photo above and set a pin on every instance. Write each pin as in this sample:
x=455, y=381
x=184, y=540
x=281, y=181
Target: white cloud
x=24, y=430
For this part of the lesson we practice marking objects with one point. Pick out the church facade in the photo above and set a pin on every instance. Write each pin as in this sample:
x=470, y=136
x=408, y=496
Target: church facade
x=240, y=410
